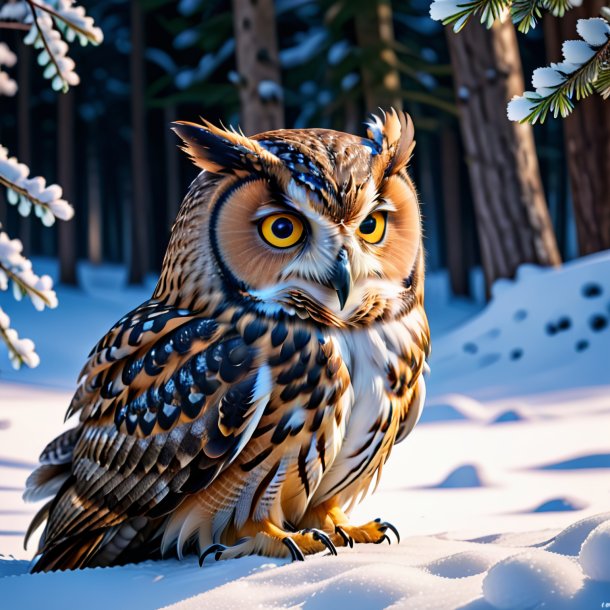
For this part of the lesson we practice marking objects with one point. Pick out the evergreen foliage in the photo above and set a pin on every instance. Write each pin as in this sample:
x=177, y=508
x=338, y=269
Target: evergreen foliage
x=586, y=63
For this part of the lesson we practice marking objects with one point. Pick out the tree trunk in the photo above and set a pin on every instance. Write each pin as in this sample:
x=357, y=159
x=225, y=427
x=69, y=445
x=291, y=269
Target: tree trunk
x=140, y=217
x=65, y=175
x=260, y=93
x=24, y=138
x=456, y=246
x=95, y=224
x=586, y=141
x=375, y=34
x=513, y=221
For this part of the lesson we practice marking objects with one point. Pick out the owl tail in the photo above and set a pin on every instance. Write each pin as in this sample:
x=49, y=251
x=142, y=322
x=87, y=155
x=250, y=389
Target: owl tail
x=129, y=542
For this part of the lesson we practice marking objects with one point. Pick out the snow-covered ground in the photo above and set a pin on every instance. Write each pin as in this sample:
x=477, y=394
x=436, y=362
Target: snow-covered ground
x=501, y=494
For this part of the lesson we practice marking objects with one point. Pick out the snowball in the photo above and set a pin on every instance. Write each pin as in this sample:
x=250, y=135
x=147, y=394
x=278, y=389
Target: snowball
x=594, y=31
x=547, y=77
x=14, y=11
x=565, y=67
x=61, y=209
x=532, y=578
x=577, y=51
x=519, y=108
x=443, y=9
x=5, y=321
x=7, y=57
x=595, y=553
x=8, y=86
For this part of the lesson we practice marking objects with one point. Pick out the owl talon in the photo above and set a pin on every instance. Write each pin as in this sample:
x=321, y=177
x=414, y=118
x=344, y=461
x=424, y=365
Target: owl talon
x=347, y=539
x=389, y=526
x=384, y=537
x=213, y=548
x=295, y=551
x=324, y=539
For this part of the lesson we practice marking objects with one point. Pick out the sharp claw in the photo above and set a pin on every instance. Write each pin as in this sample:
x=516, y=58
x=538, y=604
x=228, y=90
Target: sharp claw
x=325, y=540
x=392, y=529
x=384, y=537
x=347, y=539
x=295, y=551
x=213, y=548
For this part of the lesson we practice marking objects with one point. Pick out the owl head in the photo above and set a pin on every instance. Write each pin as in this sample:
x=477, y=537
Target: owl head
x=315, y=223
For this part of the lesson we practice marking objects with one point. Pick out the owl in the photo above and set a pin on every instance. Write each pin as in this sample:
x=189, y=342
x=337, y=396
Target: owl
x=254, y=399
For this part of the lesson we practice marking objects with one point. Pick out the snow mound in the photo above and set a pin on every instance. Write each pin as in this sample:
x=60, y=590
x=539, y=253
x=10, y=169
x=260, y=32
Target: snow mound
x=467, y=563
x=467, y=475
x=569, y=541
x=311, y=586
x=532, y=578
x=512, y=415
x=522, y=342
x=595, y=553
x=560, y=504
x=594, y=460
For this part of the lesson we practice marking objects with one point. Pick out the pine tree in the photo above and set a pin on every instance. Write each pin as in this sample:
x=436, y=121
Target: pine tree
x=512, y=217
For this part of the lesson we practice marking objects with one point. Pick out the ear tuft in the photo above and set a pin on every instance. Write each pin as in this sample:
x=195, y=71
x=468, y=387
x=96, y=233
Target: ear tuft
x=218, y=150
x=394, y=134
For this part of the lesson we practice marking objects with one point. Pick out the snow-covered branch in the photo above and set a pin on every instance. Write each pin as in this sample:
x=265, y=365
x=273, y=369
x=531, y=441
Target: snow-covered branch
x=20, y=351
x=585, y=68
x=32, y=192
x=17, y=269
x=8, y=86
x=524, y=13
x=586, y=63
x=48, y=20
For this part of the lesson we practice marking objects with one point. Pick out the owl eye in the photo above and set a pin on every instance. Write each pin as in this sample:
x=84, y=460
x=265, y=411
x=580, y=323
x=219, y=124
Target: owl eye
x=372, y=228
x=281, y=230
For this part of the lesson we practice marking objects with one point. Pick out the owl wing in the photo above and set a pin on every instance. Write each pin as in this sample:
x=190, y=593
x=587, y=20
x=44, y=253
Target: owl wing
x=166, y=401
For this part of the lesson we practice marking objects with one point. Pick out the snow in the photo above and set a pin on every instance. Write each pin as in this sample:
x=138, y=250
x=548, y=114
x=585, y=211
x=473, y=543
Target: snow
x=595, y=553
x=530, y=579
x=500, y=494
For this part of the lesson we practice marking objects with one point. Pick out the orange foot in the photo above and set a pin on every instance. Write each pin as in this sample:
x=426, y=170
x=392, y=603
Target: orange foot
x=373, y=531
x=265, y=538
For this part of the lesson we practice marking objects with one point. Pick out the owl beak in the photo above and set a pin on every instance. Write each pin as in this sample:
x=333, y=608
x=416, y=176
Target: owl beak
x=341, y=278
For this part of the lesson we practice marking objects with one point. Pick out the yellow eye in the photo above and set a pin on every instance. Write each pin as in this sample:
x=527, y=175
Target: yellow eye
x=281, y=230
x=372, y=228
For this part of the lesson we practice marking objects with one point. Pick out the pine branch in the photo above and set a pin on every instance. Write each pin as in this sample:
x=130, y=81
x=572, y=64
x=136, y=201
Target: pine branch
x=459, y=13
x=27, y=192
x=20, y=351
x=12, y=25
x=525, y=14
x=578, y=76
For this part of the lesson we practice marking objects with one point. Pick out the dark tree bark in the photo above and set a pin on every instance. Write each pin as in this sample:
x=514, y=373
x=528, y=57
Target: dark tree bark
x=586, y=141
x=513, y=221
x=456, y=245
x=24, y=135
x=375, y=34
x=65, y=174
x=140, y=216
x=95, y=224
x=260, y=93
